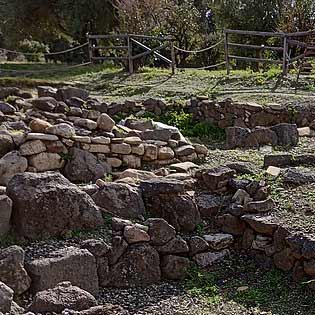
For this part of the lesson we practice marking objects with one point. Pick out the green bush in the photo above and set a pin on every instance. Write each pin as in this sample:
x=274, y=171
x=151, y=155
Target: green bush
x=191, y=128
x=33, y=47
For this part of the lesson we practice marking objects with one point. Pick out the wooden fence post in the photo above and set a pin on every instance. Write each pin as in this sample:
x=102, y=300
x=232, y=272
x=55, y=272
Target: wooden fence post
x=173, y=57
x=130, y=60
x=226, y=49
x=285, y=54
x=90, y=48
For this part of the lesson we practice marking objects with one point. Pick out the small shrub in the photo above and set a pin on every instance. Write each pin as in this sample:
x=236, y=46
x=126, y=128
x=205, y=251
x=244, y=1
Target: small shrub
x=36, y=48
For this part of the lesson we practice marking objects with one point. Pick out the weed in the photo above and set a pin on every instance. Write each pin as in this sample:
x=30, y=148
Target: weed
x=270, y=285
x=9, y=240
x=200, y=229
x=107, y=219
x=108, y=178
x=202, y=284
x=65, y=156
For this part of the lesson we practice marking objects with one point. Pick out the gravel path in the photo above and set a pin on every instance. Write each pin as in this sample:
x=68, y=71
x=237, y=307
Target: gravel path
x=167, y=298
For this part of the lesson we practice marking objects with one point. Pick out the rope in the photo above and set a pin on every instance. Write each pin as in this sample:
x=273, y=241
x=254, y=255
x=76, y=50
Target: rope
x=207, y=67
x=46, y=70
x=46, y=54
x=201, y=50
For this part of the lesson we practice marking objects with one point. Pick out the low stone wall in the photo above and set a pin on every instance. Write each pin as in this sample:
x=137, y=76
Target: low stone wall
x=67, y=131
x=250, y=115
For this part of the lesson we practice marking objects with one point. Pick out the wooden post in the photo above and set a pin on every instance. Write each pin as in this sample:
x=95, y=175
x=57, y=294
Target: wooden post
x=90, y=48
x=285, y=53
x=226, y=49
x=173, y=57
x=130, y=60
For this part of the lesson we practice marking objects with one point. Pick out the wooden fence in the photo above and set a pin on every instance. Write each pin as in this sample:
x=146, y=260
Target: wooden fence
x=126, y=48
x=288, y=42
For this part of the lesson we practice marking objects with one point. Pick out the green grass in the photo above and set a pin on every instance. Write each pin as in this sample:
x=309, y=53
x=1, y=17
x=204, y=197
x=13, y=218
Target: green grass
x=240, y=280
x=117, y=85
x=201, y=284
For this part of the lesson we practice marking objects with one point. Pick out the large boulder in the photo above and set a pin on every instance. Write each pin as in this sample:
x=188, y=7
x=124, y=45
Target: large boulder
x=12, y=271
x=63, y=296
x=5, y=214
x=69, y=264
x=6, y=298
x=122, y=200
x=84, y=167
x=138, y=266
x=47, y=204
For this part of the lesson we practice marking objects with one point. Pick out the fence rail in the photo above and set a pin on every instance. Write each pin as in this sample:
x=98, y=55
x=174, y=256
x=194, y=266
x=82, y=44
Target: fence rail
x=289, y=40
x=131, y=40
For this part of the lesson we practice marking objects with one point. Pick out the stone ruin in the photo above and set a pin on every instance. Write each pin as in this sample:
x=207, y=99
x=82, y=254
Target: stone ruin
x=56, y=151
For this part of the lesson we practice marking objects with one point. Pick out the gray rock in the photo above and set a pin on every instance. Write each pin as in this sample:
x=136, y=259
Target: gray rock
x=204, y=260
x=11, y=164
x=84, y=167
x=120, y=199
x=6, y=298
x=197, y=245
x=119, y=246
x=7, y=109
x=46, y=91
x=6, y=144
x=12, y=271
x=63, y=296
x=162, y=185
x=106, y=123
x=47, y=204
x=261, y=224
x=295, y=176
x=138, y=266
x=287, y=134
x=219, y=241
x=209, y=205
x=177, y=245
x=46, y=104
x=175, y=267
x=69, y=264
x=160, y=231
x=279, y=160
x=260, y=206
x=66, y=93
x=63, y=130
x=5, y=214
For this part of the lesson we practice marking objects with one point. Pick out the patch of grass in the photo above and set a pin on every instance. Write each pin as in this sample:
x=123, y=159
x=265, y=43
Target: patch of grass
x=9, y=239
x=271, y=284
x=201, y=284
